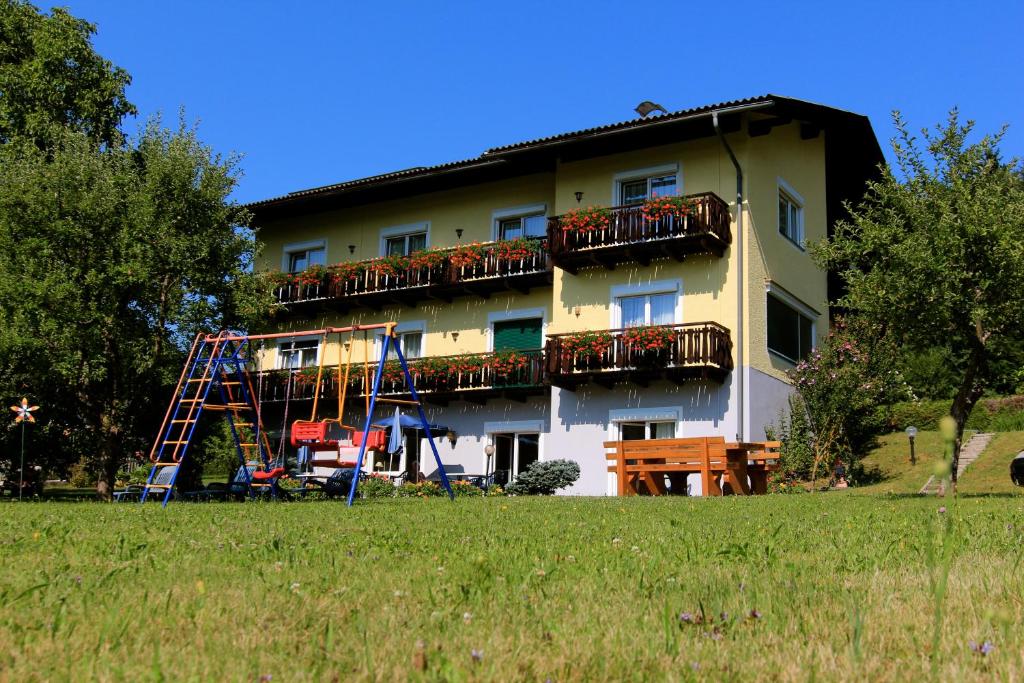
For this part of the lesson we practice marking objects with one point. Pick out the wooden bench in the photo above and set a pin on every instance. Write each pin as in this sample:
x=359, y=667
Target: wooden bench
x=745, y=466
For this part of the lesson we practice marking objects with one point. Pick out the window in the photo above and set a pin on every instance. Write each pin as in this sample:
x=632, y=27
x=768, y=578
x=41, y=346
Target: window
x=411, y=344
x=790, y=332
x=791, y=219
x=513, y=453
x=300, y=353
x=648, y=429
x=639, y=190
x=518, y=335
x=300, y=259
x=647, y=309
x=403, y=245
x=522, y=226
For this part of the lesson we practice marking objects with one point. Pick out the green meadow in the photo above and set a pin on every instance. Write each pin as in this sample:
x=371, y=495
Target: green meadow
x=791, y=588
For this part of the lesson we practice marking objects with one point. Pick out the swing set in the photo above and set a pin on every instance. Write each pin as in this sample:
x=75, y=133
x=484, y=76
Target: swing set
x=217, y=377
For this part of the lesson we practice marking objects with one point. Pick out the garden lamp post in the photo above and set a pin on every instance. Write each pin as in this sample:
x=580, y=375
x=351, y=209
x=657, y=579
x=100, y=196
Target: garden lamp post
x=489, y=452
x=911, y=433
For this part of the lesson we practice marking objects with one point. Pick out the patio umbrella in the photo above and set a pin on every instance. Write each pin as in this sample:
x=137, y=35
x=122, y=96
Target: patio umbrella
x=395, y=441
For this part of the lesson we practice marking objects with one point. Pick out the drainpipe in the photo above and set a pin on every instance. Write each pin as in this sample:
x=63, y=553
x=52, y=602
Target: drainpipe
x=740, y=388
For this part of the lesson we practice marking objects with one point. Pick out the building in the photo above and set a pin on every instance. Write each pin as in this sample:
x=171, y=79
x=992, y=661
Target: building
x=722, y=284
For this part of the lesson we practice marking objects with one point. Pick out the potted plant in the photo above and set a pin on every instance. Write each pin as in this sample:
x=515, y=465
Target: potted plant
x=649, y=343
x=467, y=255
x=656, y=208
x=428, y=258
x=517, y=249
x=586, y=220
x=389, y=266
x=587, y=348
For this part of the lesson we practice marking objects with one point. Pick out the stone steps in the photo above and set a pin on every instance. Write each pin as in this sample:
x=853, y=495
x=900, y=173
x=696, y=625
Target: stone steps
x=969, y=452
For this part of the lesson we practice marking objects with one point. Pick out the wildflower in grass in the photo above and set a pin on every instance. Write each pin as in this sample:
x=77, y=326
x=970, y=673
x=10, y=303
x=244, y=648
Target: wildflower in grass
x=295, y=587
x=982, y=649
x=541, y=572
x=754, y=614
x=200, y=587
x=266, y=678
x=695, y=666
x=724, y=616
x=477, y=655
x=467, y=617
x=942, y=510
x=686, y=618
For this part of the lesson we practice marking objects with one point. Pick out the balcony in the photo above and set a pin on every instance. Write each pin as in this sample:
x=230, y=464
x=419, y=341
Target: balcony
x=475, y=378
x=630, y=236
x=441, y=274
x=679, y=353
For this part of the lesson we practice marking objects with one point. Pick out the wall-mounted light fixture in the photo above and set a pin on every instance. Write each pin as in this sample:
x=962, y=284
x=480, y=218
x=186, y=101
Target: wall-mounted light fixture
x=455, y=336
x=579, y=196
x=452, y=437
x=458, y=233
x=347, y=344
x=577, y=311
x=351, y=248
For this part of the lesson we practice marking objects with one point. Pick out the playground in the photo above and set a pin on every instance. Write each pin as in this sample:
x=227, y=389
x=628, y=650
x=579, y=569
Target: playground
x=736, y=588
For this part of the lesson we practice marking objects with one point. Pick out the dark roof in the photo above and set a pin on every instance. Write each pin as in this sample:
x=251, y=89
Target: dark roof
x=537, y=155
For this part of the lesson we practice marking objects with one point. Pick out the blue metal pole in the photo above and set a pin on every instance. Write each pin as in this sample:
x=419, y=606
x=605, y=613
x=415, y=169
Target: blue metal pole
x=386, y=346
x=426, y=425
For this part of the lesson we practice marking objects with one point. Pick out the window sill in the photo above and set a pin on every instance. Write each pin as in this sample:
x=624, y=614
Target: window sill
x=783, y=357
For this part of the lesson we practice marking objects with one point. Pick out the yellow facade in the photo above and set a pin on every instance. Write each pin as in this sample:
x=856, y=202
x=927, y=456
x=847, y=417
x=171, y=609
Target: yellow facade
x=583, y=301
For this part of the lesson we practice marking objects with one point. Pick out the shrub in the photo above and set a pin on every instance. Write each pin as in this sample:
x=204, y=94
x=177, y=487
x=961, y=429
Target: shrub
x=80, y=475
x=376, y=486
x=796, y=455
x=543, y=478
x=921, y=414
x=424, y=489
x=466, y=488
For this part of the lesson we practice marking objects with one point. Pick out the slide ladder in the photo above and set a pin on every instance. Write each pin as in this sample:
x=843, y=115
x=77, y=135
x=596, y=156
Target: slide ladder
x=218, y=362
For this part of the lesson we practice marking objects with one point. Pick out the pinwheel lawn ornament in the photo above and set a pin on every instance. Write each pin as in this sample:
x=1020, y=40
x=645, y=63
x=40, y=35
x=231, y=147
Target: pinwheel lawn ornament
x=23, y=414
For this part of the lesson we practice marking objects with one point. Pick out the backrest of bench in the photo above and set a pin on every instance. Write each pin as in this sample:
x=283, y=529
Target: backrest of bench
x=668, y=450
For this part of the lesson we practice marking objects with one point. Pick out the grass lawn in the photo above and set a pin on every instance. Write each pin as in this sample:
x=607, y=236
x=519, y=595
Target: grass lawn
x=511, y=589
x=991, y=472
x=891, y=459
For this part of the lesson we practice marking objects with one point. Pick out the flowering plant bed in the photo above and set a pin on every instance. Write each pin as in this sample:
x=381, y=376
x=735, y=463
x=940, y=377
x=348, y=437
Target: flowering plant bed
x=389, y=266
x=314, y=275
x=348, y=270
x=508, y=364
x=307, y=376
x=467, y=255
x=586, y=220
x=649, y=338
x=427, y=258
x=656, y=208
x=517, y=249
x=587, y=344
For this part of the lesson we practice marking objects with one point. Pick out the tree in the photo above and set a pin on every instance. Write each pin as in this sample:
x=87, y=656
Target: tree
x=933, y=255
x=110, y=261
x=52, y=78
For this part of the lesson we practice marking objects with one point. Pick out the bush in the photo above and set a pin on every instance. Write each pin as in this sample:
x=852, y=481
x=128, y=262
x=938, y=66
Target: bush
x=796, y=455
x=80, y=475
x=921, y=414
x=376, y=486
x=544, y=478
x=424, y=489
x=465, y=488
x=1004, y=414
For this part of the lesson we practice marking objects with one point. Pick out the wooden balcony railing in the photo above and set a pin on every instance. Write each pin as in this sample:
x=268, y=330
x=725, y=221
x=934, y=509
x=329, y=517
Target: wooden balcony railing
x=684, y=352
x=469, y=377
x=631, y=237
x=442, y=280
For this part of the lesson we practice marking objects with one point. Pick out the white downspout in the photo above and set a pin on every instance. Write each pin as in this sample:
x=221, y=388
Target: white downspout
x=740, y=309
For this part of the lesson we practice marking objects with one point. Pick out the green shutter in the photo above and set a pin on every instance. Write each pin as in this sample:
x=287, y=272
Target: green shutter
x=519, y=335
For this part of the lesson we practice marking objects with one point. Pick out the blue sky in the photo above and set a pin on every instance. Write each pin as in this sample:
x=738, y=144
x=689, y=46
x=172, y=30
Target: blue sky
x=319, y=92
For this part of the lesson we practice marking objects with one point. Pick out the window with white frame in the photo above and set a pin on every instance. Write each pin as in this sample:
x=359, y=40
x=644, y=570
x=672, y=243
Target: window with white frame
x=405, y=244
x=638, y=190
x=533, y=225
x=410, y=342
x=301, y=258
x=790, y=331
x=647, y=309
x=298, y=353
x=513, y=453
x=641, y=430
x=791, y=218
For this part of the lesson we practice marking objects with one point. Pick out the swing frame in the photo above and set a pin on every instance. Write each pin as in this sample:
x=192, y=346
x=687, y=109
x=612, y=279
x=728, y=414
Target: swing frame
x=372, y=398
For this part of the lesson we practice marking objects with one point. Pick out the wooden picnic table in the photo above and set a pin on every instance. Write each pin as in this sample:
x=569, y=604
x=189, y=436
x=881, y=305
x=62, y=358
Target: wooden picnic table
x=644, y=464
